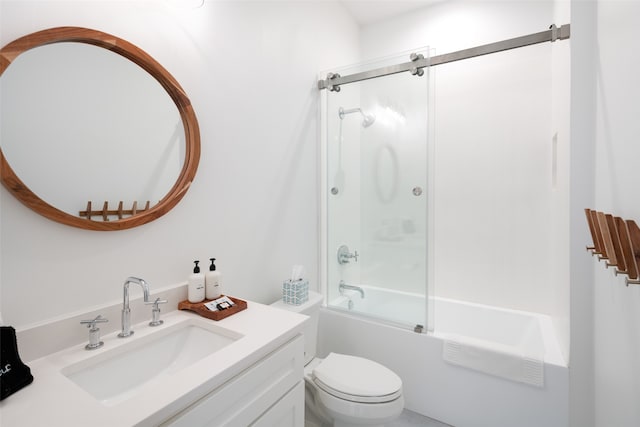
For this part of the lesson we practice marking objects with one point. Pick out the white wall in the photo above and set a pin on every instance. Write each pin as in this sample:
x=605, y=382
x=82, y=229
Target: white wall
x=257, y=212
x=250, y=71
x=616, y=308
x=605, y=314
x=583, y=40
x=501, y=211
x=559, y=224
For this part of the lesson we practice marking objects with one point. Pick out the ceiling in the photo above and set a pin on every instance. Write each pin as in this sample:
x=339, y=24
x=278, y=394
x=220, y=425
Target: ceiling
x=369, y=11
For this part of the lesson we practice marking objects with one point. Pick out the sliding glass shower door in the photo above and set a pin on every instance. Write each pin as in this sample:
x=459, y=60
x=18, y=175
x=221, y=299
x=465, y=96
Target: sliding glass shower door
x=376, y=192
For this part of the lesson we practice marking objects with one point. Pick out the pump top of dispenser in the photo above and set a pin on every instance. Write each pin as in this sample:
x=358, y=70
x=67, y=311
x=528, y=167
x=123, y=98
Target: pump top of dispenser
x=196, y=269
x=212, y=267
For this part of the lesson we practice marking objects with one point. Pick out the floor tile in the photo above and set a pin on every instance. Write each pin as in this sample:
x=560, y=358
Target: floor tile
x=412, y=419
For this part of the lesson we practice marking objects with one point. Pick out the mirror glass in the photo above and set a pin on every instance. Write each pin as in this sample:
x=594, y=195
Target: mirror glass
x=87, y=117
x=80, y=123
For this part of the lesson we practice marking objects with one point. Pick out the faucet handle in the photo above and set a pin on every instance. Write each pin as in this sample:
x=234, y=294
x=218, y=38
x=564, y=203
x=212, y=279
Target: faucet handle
x=91, y=323
x=94, y=333
x=344, y=255
x=155, y=313
x=156, y=302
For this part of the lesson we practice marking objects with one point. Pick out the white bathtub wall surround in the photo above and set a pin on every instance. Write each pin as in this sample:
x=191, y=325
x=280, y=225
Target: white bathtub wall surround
x=510, y=344
x=519, y=357
x=495, y=330
x=501, y=153
x=455, y=395
x=258, y=223
x=532, y=333
x=498, y=223
x=493, y=359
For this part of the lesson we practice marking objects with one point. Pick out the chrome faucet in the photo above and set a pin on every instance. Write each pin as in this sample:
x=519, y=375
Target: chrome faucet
x=342, y=286
x=126, y=311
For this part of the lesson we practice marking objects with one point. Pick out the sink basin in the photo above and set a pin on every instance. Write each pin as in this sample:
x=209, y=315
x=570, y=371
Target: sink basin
x=114, y=376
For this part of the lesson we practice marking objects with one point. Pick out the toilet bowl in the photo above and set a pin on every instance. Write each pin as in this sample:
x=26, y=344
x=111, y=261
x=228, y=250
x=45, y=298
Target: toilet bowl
x=353, y=391
x=343, y=390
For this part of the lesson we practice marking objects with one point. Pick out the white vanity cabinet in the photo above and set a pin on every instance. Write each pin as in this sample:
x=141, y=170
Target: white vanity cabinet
x=270, y=393
x=147, y=380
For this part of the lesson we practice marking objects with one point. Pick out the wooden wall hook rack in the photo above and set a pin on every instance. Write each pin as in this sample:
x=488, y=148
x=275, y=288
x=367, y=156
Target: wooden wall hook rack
x=633, y=237
x=617, y=241
x=120, y=212
x=607, y=239
x=596, y=235
x=621, y=245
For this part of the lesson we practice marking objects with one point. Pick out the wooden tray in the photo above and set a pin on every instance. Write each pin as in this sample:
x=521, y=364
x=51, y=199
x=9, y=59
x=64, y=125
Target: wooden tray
x=199, y=308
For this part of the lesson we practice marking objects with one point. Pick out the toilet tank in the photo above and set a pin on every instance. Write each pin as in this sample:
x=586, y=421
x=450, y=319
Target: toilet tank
x=310, y=308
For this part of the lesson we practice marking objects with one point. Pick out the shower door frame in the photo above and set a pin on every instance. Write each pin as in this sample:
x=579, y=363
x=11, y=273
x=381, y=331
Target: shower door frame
x=324, y=256
x=332, y=82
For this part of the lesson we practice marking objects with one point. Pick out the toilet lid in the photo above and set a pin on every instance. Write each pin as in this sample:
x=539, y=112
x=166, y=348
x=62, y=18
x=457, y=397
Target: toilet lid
x=357, y=379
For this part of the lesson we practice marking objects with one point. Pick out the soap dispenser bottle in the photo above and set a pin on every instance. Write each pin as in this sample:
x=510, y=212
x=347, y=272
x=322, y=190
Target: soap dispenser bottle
x=195, y=288
x=212, y=281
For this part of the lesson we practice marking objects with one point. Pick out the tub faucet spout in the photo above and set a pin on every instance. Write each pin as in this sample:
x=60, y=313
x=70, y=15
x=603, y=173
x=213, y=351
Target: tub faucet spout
x=126, y=311
x=342, y=286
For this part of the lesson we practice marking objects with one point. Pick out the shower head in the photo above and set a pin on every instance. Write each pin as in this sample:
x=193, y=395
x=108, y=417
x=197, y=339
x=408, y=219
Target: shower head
x=367, y=119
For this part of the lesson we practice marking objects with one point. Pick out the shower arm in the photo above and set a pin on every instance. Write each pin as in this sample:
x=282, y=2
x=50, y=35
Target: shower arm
x=367, y=119
x=342, y=112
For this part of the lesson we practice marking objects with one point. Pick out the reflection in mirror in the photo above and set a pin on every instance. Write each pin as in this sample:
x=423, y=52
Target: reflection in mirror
x=88, y=116
x=81, y=123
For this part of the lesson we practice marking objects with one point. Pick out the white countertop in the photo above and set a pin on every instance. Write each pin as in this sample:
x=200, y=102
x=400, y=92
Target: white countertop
x=54, y=400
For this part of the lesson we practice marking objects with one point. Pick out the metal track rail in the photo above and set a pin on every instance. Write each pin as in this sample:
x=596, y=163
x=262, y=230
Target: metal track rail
x=334, y=81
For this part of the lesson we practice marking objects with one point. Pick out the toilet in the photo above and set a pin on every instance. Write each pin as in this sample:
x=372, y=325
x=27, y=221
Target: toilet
x=343, y=390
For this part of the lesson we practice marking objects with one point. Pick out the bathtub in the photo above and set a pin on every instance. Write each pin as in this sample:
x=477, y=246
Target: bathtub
x=462, y=372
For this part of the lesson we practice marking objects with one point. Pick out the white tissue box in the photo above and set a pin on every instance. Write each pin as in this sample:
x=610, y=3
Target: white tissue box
x=295, y=292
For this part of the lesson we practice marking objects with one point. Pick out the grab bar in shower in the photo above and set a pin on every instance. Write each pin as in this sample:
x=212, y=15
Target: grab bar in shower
x=342, y=286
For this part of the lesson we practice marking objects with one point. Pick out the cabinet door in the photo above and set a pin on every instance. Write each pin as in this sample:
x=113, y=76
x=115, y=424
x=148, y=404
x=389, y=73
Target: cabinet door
x=287, y=412
x=245, y=398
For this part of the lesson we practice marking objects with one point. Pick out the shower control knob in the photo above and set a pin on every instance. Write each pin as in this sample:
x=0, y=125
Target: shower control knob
x=344, y=255
x=417, y=191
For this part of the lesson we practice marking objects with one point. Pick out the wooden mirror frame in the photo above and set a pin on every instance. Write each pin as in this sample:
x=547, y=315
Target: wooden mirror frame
x=192, y=133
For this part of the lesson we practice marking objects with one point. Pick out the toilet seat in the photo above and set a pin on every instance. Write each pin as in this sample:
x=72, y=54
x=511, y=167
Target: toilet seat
x=357, y=379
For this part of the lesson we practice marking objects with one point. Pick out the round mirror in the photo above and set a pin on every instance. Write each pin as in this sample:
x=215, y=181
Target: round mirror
x=94, y=132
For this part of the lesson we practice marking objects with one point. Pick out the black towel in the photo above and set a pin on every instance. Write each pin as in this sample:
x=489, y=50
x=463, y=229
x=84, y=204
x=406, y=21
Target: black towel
x=14, y=374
